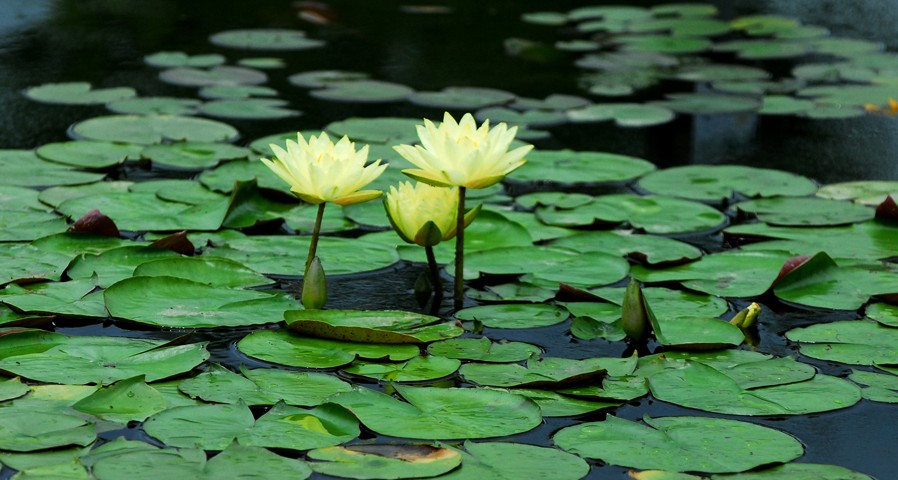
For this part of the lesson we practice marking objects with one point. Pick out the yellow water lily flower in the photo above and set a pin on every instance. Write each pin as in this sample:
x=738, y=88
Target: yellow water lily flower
x=423, y=214
x=320, y=171
x=462, y=154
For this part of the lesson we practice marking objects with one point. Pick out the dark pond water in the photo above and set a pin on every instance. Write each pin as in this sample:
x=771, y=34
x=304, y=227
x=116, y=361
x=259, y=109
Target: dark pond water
x=104, y=41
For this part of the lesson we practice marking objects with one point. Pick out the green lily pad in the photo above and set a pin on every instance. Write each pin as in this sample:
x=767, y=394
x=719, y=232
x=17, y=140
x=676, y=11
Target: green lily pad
x=821, y=283
x=856, y=342
x=418, y=369
x=734, y=273
x=884, y=313
x=756, y=49
x=798, y=471
x=553, y=404
x=12, y=388
x=286, y=348
x=84, y=359
x=718, y=182
x=715, y=72
x=654, y=214
x=696, y=385
x=77, y=93
x=94, y=155
x=193, y=156
x=24, y=262
x=146, y=463
x=218, y=272
x=155, y=106
x=140, y=211
x=248, y=109
x=123, y=401
x=483, y=350
x=286, y=255
x=877, y=387
x=512, y=461
x=442, y=413
x=573, y=167
x=29, y=430
x=223, y=177
x=282, y=427
x=708, y=103
x=234, y=92
x=23, y=168
x=623, y=114
x=263, y=386
x=184, y=191
x=784, y=105
x=682, y=26
x=25, y=225
x=866, y=241
x=20, y=198
x=220, y=75
x=805, y=212
x=674, y=45
x=546, y=373
x=553, y=265
x=465, y=98
x=181, y=59
x=863, y=192
x=649, y=249
x=54, y=196
x=265, y=39
x=323, y=78
x=384, y=461
x=380, y=326
x=363, y=91
x=679, y=444
x=181, y=303
x=514, y=315
x=75, y=298
x=530, y=118
x=114, y=264
x=388, y=130
x=150, y=129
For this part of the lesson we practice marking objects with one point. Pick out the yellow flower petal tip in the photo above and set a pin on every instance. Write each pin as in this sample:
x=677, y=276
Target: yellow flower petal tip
x=319, y=170
x=463, y=154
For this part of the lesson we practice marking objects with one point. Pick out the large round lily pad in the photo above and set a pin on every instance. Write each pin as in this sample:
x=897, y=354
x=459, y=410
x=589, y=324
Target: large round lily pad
x=720, y=182
x=680, y=444
x=856, y=342
x=262, y=386
x=381, y=326
x=571, y=167
x=287, y=348
x=152, y=129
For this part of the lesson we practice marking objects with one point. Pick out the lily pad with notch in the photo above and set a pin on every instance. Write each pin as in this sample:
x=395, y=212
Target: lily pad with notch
x=546, y=373
x=384, y=461
x=371, y=326
x=418, y=369
x=465, y=98
x=483, y=349
x=87, y=154
x=511, y=461
x=262, y=386
x=634, y=115
x=576, y=167
x=363, y=91
x=23, y=168
x=806, y=212
x=820, y=282
x=75, y=298
x=219, y=272
x=248, y=109
x=155, y=106
x=714, y=183
x=77, y=93
x=549, y=264
x=855, y=342
x=287, y=348
x=151, y=129
x=193, y=156
x=514, y=315
x=265, y=39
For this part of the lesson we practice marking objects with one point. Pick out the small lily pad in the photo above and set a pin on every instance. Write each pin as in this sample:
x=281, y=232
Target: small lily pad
x=418, y=369
x=77, y=93
x=181, y=59
x=262, y=386
x=265, y=39
x=515, y=315
x=363, y=91
x=248, y=109
x=384, y=461
x=467, y=98
x=483, y=350
x=192, y=156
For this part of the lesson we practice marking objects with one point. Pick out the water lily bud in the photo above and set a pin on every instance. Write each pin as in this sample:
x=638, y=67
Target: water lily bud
x=314, y=286
x=423, y=214
x=747, y=317
x=634, y=315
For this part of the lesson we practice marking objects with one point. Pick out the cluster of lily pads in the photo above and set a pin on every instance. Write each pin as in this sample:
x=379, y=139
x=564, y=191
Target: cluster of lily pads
x=400, y=394
x=628, y=50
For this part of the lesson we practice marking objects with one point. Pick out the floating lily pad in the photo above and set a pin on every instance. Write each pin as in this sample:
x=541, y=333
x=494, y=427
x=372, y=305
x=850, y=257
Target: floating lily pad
x=25, y=225
x=193, y=156
x=512, y=461
x=680, y=444
x=821, y=283
x=573, y=167
x=552, y=265
x=152, y=129
x=866, y=241
x=181, y=59
x=654, y=214
x=263, y=386
x=234, y=92
x=155, y=106
x=764, y=49
x=863, y=192
x=219, y=272
x=877, y=387
x=54, y=196
x=714, y=72
x=515, y=315
x=95, y=155
x=123, y=401
x=856, y=342
x=223, y=177
x=265, y=39
x=384, y=461
x=418, y=369
x=181, y=303
x=798, y=471
x=28, y=430
x=73, y=298
x=483, y=350
x=20, y=198
x=646, y=248
x=719, y=182
x=59, y=358
x=23, y=168
x=27, y=263
x=77, y=93
x=282, y=427
x=364, y=91
x=139, y=211
x=114, y=264
x=286, y=348
x=784, y=105
x=547, y=373
x=663, y=44
x=682, y=26
x=804, y=212
x=378, y=326
x=884, y=313
x=248, y=109
x=442, y=413
x=466, y=98
x=553, y=404
x=221, y=75
x=623, y=114
x=727, y=274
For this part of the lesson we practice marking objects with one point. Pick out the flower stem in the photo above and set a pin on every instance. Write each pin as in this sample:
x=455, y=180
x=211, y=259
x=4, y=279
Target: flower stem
x=434, y=272
x=313, y=247
x=460, y=250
